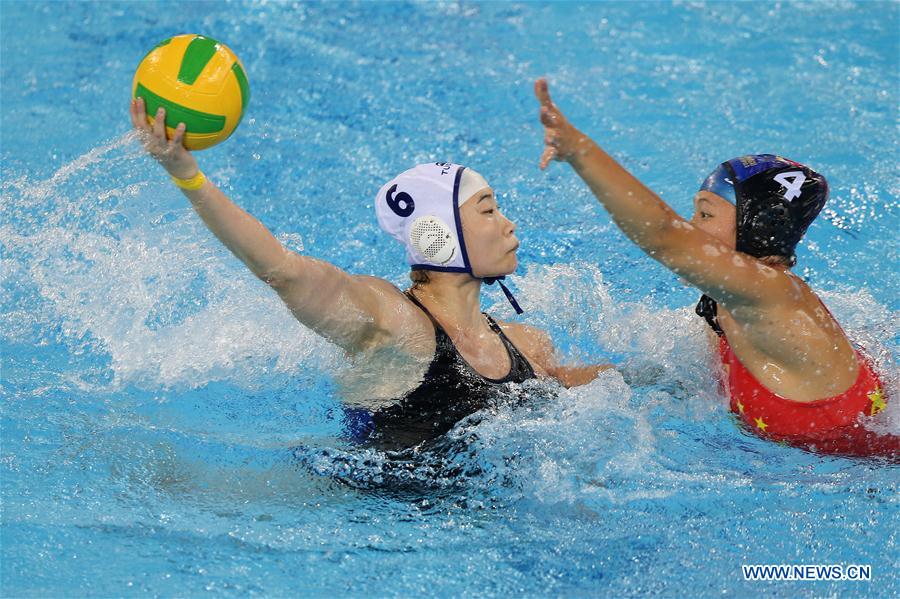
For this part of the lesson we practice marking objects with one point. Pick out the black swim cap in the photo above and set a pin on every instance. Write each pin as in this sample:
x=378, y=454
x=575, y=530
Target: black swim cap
x=776, y=199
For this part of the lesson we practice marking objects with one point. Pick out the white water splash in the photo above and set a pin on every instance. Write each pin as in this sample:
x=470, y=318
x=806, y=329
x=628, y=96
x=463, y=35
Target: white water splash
x=161, y=299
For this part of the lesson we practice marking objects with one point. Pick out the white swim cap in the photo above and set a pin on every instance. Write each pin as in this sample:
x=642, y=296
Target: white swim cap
x=420, y=208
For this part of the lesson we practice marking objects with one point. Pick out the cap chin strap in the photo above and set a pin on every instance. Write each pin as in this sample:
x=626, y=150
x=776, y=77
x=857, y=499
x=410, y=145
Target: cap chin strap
x=506, y=292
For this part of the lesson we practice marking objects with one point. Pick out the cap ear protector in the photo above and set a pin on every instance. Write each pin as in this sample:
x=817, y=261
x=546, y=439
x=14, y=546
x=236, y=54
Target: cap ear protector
x=768, y=218
x=433, y=239
x=763, y=226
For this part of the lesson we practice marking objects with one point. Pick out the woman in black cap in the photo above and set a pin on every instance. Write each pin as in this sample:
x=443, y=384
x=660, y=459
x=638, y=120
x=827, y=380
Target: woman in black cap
x=792, y=374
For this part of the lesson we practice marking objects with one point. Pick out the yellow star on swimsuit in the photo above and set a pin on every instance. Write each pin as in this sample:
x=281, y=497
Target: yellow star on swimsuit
x=761, y=424
x=740, y=407
x=877, y=399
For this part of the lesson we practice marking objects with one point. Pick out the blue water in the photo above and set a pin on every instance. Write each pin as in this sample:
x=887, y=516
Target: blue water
x=152, y=390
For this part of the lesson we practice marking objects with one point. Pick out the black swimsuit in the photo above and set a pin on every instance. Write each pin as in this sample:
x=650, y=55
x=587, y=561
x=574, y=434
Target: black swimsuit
x=450, y=390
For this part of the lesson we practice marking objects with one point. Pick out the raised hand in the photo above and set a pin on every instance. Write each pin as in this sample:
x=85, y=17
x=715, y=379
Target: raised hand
x=170, y=153
x=562, y=141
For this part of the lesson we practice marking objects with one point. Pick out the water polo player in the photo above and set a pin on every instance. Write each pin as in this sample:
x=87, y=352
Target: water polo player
x=432, y=356
x=791, y=373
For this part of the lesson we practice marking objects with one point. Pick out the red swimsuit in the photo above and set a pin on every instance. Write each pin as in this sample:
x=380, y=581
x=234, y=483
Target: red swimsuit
x=828, y=425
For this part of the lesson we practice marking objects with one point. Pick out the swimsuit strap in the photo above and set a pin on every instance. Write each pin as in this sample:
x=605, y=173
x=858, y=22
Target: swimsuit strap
x=708, y=309
x=408, y=293
x=496, y=328
x=491, y=322
x=519, y=363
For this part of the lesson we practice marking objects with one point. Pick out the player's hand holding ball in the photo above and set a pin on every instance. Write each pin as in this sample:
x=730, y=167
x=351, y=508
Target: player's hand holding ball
x=170, y=153
x=189, y=92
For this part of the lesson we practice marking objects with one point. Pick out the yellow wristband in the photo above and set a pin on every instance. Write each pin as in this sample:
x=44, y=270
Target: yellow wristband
x=195, y=182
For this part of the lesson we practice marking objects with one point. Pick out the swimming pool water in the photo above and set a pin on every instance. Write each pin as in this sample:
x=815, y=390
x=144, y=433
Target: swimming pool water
x=169, y=429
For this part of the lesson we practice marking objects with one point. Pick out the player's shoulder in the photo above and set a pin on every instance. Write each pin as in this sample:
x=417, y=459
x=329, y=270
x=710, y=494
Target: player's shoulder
x=394, y=308
x=377, y=284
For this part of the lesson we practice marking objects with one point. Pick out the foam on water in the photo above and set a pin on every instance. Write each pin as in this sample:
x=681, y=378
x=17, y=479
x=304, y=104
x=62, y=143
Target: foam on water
x=160, y=299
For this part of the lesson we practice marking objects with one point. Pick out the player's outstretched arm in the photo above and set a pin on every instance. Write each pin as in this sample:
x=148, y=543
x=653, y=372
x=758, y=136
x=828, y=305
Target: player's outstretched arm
x=341, y=307
x=648, y=221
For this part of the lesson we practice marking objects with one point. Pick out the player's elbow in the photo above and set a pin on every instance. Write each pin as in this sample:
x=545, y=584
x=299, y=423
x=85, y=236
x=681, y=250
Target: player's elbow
x=282, y=275
x=662, y=237
x=667, y=241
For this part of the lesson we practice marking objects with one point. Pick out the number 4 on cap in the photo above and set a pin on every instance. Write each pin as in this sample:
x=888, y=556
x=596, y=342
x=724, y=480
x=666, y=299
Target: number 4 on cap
x=792, y=181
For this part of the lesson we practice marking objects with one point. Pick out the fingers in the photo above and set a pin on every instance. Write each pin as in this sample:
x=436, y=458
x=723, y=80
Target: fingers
x=154, y=136
x=542, y=92
x=548, y=155
x=549, y=116
x=179, y=135
x=159, y=124
x=139, y=122
x=138, y=118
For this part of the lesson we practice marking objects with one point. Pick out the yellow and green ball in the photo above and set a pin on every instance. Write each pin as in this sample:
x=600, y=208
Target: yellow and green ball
x=200, y=82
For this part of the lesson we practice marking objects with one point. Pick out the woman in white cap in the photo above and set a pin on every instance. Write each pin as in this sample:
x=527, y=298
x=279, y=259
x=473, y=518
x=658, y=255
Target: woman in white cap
x=445, y=357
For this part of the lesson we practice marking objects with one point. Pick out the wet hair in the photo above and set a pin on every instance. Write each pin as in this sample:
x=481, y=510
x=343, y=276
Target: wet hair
x=419, y=277
x=787, y=261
